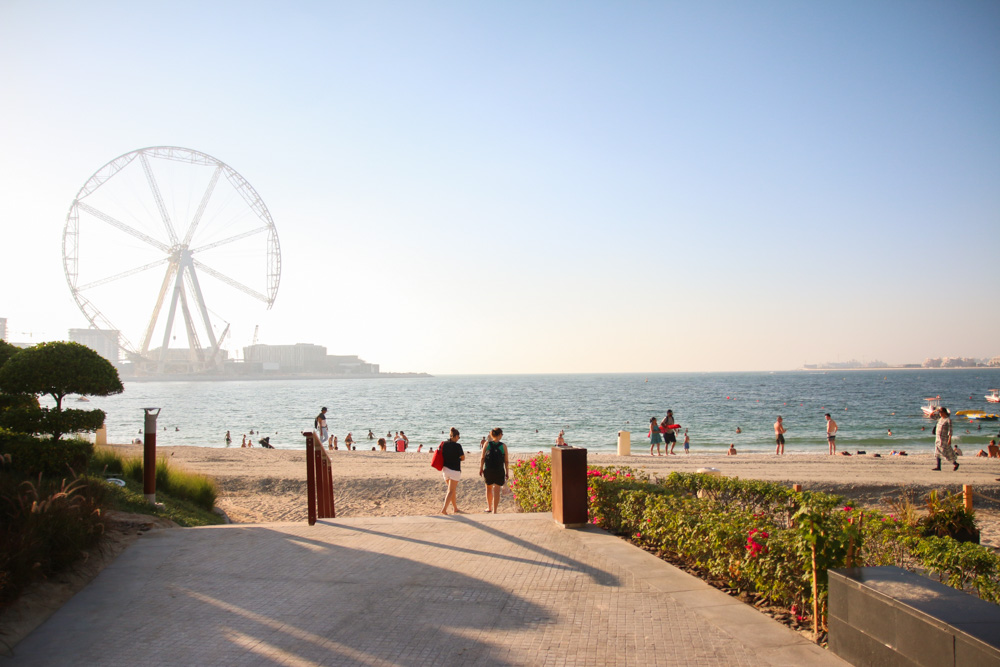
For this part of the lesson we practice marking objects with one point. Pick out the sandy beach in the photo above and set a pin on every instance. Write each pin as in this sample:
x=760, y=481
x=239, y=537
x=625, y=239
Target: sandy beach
x=261, y=485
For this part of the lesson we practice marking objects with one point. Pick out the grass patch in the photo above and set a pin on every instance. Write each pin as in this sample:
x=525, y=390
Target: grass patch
x=181, y=485
x=179, y=510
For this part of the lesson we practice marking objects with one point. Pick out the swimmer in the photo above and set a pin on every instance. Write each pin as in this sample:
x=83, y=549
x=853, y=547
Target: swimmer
x=738, y=430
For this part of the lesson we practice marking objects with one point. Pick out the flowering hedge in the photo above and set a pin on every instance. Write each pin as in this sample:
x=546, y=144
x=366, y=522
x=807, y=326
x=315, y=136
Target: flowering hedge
x=761, y=537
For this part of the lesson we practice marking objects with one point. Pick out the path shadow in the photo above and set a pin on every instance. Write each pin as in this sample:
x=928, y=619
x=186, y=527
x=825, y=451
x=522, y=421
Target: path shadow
x=260, y=595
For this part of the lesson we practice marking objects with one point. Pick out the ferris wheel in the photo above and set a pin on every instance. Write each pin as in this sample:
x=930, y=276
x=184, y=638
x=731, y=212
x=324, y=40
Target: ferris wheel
x=171, y=221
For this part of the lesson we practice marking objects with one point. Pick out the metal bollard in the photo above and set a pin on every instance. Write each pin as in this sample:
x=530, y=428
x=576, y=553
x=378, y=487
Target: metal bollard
x=149, y=455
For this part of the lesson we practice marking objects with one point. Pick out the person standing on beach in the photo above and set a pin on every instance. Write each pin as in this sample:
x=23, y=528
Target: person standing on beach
x=831, y=434
x=669, y=437
x=320, y=425
x=452, y=471
x=687, y=442
x=779, y=436
x=654, y=437
x=229, y=439
x=493, y=468
x=560, y=439
x=942, y=440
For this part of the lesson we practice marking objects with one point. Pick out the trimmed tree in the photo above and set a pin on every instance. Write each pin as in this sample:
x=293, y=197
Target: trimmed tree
x=8, y=401
x=57, y=369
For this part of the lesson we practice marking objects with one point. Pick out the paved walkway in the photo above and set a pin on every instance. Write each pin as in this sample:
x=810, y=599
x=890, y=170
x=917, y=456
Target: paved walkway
x=509, y=589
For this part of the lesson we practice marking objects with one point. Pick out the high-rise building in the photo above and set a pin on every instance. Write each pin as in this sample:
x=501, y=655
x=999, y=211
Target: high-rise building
x=3, y=329
x=106, y=342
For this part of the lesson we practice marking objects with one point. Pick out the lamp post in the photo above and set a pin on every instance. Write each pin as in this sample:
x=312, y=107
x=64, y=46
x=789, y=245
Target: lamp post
x=149, y=455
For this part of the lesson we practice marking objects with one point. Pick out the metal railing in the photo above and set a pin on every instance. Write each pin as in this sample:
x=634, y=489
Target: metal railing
x=319, y=480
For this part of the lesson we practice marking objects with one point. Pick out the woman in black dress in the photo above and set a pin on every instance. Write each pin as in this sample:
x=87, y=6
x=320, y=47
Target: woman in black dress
x=452, y=471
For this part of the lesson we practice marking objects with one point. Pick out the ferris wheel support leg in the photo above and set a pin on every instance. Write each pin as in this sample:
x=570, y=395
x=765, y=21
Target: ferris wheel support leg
x=178, y=287
x=200, y=299
x=194, y=345
x=147, y=339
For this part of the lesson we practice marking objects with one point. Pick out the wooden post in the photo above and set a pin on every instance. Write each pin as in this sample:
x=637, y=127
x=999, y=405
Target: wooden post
x=569, y=486
x=797, y=488
x=967, y=496
x=310, y=479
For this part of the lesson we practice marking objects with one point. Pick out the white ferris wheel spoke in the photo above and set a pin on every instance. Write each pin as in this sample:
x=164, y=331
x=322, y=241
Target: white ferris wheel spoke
x=123, y=274
x=201, y=207
x=229, y=281
x=101, y=215
x=155, y=189
x=231, y=239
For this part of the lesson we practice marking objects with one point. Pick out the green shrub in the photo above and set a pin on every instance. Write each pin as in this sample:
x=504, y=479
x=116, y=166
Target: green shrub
x=51, y=458
x=44, y=526
x=29, y=419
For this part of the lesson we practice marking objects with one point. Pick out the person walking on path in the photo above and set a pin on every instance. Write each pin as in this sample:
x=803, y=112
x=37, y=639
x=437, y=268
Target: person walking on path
x=831, y=433
x=669, y=437
x=494, y=466
x=942, y=440
x=320, y=425
x=654, y=437
x=779, y=436
x=452, y=471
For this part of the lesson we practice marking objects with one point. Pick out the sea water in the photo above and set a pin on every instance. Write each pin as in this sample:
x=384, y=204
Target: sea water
x=591, y=408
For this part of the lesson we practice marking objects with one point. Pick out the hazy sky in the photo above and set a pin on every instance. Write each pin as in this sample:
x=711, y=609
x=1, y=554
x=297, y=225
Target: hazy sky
x=489, y=187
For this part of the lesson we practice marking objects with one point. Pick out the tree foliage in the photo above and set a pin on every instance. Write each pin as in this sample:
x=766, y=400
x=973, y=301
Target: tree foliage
x=7, y=351
x=56, y=369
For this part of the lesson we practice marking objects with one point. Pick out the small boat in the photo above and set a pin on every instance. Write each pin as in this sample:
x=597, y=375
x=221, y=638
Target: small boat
x=932, y=407
x=993, y=396
x=83, y=399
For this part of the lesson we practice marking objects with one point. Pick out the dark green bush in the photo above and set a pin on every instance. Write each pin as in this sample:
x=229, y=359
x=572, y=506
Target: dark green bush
x=26, y=419
x=51, y=458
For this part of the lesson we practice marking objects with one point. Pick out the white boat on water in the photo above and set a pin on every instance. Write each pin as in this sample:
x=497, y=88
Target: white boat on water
x=932, y=406
x=993, y=396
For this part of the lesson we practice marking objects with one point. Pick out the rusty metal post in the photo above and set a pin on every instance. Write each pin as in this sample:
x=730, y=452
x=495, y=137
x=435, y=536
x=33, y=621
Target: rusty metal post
x=797, y=488
x=569, y=486
x=967, y=496
x=149, y=454
x=310, y=477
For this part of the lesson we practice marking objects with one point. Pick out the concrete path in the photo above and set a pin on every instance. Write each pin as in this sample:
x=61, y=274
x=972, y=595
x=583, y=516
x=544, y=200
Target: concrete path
x=509, y=589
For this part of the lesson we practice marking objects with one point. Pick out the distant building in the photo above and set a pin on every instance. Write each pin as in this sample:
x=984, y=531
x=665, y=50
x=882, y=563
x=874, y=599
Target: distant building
x=3, y=328
x=298, y=358
x=106, y=342
x=305, y=358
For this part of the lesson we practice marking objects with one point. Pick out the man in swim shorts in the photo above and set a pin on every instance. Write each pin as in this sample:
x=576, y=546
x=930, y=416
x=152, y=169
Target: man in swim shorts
x=831, y=433
x=779, y=436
